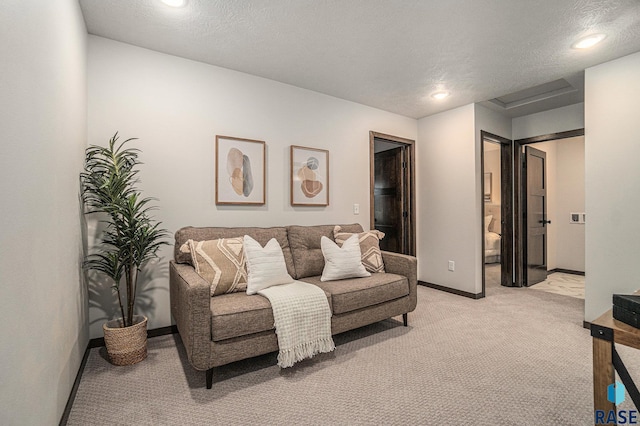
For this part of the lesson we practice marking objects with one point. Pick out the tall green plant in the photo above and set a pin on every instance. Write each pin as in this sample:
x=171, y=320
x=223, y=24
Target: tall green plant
x=131, y=236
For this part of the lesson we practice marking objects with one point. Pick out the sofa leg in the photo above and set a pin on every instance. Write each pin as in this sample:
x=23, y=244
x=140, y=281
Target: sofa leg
x=209, y=378
x=405, y=319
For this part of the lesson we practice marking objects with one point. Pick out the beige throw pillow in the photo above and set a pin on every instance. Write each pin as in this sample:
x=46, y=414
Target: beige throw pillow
x=369, y=247
x=221, y=262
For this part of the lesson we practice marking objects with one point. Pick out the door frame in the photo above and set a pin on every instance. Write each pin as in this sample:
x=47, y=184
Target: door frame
x=409, y=187
x=520, y=234
x=506, y=209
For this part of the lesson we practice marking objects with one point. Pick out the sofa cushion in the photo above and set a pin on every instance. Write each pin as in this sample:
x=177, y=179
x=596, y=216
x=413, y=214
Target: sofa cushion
x=261, y=235
x=305, y=247
x=356, y=293
x=237, y=314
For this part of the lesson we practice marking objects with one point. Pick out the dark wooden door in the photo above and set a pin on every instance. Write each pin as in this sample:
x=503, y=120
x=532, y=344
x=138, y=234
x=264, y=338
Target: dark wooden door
x=389, y=212
x=535, y=196
x=506, y=224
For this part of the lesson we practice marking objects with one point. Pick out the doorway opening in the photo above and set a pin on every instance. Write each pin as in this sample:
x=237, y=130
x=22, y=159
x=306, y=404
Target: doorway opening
x=392, y=191
x=497, y=212
x=549, y=207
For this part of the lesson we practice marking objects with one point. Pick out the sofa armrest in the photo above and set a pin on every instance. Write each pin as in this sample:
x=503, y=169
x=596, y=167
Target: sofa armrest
x=407, y=266
x=190, y=307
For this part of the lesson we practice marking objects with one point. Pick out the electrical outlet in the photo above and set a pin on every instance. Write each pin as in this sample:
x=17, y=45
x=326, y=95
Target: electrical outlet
x=452, y=265
x=356, y=209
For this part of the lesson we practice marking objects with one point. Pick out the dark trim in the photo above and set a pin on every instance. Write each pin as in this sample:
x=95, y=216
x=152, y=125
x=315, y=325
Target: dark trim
x=98, y=342
x=162, y=331
x=586, y=324
x=518, y=239
x=518, y=226
x=170, y=329
x=452, y=290
x=506, y=210
x=551, y=137
x=566, y=271
x=74, y=389
x=410, y=186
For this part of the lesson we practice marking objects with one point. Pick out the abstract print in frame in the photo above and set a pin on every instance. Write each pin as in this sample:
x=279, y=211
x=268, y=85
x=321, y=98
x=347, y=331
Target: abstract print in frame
x=240, y=171
x=309, y=176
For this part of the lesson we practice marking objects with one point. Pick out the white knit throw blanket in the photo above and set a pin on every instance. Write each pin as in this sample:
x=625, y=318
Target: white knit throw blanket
x=302, y=320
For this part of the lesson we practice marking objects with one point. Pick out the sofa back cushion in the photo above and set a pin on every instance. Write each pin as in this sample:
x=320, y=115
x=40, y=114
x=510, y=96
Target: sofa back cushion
x=305, y=246
x=261, y=235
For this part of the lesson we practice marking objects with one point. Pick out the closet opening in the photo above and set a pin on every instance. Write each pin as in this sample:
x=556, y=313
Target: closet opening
x=392, y=196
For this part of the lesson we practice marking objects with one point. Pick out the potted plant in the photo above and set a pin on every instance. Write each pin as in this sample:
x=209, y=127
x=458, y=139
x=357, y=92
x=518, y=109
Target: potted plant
x=131, y=237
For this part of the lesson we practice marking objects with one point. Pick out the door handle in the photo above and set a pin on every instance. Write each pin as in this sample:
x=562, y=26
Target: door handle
x=544, y=222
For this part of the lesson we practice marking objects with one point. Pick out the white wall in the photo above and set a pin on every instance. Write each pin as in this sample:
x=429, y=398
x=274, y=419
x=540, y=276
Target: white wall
x=43, y=133
x=177, y=107
x=612, y=149
x=447, y=199
x=565, y=194
x=570, y=190
x=450, y=195
x=553, y=121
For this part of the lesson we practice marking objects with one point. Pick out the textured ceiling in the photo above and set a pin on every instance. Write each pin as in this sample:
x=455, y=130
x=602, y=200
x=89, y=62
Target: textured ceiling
x=388, y=54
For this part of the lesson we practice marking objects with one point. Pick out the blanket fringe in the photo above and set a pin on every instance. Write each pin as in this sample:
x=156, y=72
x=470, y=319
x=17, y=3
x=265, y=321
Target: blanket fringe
x=288, y=357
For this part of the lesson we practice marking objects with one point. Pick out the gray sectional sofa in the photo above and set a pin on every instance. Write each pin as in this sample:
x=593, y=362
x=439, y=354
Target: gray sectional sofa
x=226, y=328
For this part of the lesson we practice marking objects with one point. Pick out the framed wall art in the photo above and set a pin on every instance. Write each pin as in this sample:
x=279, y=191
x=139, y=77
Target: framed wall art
x=240, y=171
x=487, y=187
x=309, y=176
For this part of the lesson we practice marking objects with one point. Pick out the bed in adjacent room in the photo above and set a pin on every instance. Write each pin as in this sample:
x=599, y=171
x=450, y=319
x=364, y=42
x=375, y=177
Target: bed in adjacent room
x=492, y=234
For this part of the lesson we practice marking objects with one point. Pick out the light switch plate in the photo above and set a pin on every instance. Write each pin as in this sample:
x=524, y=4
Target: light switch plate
x=356, y=209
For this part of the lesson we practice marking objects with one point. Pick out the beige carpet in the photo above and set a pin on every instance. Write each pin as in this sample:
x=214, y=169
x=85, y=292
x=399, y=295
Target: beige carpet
x=517, y=357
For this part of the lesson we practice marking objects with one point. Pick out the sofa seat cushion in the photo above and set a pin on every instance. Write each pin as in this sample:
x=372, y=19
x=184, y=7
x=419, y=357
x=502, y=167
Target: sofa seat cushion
x=356, y=293
x=237, y=314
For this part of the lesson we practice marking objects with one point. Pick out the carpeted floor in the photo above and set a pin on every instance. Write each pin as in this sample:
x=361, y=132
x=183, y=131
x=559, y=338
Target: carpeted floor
x=517, y=357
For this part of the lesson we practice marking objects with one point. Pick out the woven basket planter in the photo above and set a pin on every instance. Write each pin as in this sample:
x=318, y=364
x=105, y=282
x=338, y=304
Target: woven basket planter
x=127, y=345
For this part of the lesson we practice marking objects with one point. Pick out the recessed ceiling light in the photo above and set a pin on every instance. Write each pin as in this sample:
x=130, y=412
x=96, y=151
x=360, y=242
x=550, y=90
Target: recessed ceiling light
x=588, y=41
x=174, y=3
x=440, y=95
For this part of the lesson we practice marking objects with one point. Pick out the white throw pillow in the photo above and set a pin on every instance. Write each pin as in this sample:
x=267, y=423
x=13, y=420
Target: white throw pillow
x=342, y=262
x=265, y=265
